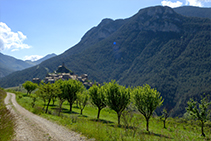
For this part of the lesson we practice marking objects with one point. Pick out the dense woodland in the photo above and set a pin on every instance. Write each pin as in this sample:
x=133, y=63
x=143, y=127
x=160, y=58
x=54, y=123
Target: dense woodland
x=156, y=46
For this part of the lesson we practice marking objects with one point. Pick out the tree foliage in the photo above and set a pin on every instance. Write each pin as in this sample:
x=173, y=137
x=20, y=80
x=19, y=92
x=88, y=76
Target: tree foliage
x=97, y=96
x=199, y=111
x=71, y=88
x=146, y=100
x=82, y=98
x=117, y=97
x=48, y=91
x=61, y=94
x=29, y=86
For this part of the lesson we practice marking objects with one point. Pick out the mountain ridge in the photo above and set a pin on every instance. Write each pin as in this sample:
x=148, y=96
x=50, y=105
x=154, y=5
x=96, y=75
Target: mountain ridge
x=9, y=64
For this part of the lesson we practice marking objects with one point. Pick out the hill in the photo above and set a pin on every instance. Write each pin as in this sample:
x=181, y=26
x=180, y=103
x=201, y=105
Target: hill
x=192, y=11
x=157, y=46
x=9, y=64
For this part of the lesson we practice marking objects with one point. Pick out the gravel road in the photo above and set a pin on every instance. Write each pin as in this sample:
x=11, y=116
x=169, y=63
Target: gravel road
x=31, y=127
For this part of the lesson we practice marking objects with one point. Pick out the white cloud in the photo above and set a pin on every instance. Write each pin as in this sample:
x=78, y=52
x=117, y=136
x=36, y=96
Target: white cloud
x=171, y=4
x=33, y=57
x=11, y=40
x=195, y=2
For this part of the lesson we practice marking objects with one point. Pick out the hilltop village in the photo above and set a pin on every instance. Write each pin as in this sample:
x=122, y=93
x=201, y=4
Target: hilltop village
x=64, y=74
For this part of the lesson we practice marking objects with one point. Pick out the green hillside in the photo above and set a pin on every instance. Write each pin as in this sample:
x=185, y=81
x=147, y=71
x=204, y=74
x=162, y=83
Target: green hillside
x=157, y=46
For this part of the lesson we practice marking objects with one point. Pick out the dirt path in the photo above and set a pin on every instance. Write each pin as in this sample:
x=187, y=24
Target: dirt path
x=31, y=127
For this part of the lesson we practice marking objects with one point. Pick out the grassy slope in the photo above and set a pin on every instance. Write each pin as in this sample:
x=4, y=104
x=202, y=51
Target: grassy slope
x=107, y=129
x=7, y=121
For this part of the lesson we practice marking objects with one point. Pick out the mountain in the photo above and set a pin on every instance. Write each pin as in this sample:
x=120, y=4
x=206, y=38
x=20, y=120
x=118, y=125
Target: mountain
x=192, y=11
x=40, y=60
x=10, y=64
x=157, y=46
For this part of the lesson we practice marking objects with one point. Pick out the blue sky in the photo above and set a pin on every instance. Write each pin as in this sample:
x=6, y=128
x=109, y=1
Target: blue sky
x=31, y=29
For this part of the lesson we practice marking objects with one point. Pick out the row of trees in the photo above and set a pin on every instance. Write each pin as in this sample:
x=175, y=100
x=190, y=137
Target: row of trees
x=111, y=95
x=114, y=96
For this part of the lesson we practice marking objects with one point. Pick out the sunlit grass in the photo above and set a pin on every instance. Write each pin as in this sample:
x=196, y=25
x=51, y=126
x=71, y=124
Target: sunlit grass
x=107, y=129
x=7, y=120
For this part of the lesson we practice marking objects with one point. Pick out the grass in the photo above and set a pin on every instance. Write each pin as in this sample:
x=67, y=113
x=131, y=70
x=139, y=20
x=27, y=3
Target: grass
x=107, y=129
x=7, y=120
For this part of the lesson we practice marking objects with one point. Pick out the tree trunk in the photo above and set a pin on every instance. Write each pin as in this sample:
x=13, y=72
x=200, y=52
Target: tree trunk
x=53, y=101
x=119, y=115
x=147, y=124
x=164, y=123
x=81, y=111
x=60, y=107
x=71, y=105
x=44, y=104
x=98, y=114
x=202, y=128
x=47, y=105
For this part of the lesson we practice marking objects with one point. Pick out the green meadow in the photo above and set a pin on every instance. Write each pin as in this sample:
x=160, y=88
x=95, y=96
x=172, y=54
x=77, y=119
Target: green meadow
x=133, y=125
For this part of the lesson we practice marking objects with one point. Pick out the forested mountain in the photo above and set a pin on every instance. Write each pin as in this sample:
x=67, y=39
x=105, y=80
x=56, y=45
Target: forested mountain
x=9, y=64
x=157, y=46
x=192, y=11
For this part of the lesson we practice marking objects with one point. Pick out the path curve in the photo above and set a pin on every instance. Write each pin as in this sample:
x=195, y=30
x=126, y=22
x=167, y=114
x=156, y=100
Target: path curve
x=31, y=127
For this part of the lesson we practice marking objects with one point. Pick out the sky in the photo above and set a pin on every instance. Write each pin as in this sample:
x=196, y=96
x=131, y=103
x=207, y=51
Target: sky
x=31, y=29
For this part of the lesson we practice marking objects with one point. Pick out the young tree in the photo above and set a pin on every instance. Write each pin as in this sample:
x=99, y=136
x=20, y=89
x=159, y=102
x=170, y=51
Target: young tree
x=97, y=98
x=199, y=111
x=29, y=86
x=41, y=94
x=118, y=97
x=82, y=99
x=61, y=95
x=146, y=100
x=49, y=91
x=71, y=88
x=165, y=115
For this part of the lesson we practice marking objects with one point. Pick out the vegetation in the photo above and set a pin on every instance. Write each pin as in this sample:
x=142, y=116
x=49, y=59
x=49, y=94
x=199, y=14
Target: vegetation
x=117, y=97
x=176, y=63
x=7, y=120
x=71, y=88
x=199, y=111
x=147, y=100
x=97, y=96
x=61, y=95
x=29, y=86
x=164, y=116
x=106, y=128
x=48, y=91
x=82, y=98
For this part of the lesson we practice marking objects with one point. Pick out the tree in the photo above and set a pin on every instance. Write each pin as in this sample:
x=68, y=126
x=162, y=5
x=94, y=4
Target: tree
x=71, y=88
x=146, y=101
x=164, y=116
x=82, y=99
x=29, y=86
x=48, y=91
x=199, y=111
x=117, y=97
x=61, y=95
x=97, y=96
